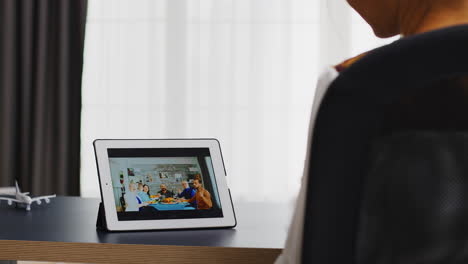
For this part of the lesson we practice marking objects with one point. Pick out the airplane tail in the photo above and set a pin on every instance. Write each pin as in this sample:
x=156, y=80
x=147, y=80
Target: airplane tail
x=17, y=187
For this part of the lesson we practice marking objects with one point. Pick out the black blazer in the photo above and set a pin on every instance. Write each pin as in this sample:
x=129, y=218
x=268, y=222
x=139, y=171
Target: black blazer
x=376, y=157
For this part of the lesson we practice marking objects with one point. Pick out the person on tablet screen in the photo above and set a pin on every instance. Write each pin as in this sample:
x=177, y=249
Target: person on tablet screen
x=187, y=193
x=131, y=199
x=165, y=192
x=202, y=197
x=145, y=194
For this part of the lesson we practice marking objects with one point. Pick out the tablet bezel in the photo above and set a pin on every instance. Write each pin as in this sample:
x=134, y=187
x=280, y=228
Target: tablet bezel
x=113, y=224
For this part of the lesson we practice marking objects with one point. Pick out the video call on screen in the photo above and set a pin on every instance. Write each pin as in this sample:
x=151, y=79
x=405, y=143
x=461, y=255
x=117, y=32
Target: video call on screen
x=175, y=183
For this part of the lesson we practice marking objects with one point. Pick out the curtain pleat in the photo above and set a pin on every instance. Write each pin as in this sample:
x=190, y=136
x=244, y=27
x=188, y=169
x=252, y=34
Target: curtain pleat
x=41, y=60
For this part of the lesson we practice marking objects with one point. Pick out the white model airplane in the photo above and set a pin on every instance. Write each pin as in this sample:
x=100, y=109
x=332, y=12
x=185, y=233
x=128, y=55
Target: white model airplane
x=23, y=198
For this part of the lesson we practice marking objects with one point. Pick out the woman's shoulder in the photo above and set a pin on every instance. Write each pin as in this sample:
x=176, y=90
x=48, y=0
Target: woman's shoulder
x=349, y=62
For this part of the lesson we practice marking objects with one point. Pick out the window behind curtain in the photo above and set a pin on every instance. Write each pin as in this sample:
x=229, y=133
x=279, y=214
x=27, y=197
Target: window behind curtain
x=241, y=71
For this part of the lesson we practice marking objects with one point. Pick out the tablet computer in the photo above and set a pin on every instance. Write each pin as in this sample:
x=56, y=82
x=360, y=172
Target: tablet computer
x=163, y=184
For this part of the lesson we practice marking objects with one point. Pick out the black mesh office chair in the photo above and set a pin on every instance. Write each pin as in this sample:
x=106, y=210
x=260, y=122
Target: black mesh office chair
x=388, y=178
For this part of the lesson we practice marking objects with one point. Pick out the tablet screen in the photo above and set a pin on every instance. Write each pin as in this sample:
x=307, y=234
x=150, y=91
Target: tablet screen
x=157, y=183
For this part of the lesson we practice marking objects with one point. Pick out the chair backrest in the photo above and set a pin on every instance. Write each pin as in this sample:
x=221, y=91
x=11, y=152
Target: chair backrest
x=389, y=144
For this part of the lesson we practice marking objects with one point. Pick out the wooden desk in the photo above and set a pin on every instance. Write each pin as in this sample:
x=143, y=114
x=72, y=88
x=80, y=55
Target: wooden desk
x=64, y=231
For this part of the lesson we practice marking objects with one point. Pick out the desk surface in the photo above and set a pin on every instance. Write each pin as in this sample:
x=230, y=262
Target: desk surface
x=73, y=220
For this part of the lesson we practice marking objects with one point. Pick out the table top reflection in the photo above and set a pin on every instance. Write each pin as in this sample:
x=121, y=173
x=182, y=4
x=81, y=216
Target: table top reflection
x=73, y=219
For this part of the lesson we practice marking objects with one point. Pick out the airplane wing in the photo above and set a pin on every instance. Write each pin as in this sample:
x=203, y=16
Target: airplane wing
x=9, y=200
x=45, y=198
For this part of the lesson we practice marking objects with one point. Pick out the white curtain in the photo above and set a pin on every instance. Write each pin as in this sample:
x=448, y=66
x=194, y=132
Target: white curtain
x=241, y=71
